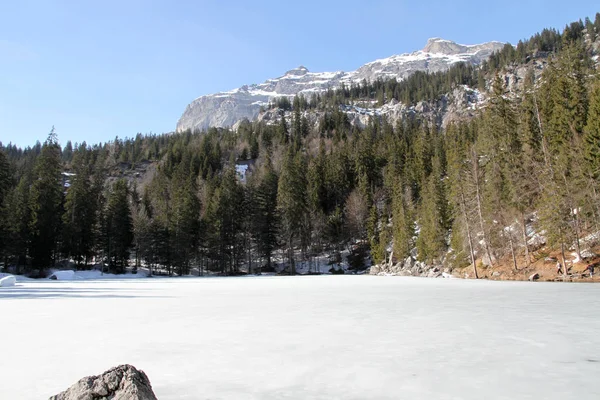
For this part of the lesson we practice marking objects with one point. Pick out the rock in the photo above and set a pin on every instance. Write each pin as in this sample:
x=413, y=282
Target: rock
x=409, y=262
x=447, y=275
x=413, y=253
x=396, y=269
x=434, y=273
x=496, y=273
x=8, y=281
x=124, y=382
x=485, y=260
x=534, y=277
x=587, y=254
x=68, y=275
x=375, y=269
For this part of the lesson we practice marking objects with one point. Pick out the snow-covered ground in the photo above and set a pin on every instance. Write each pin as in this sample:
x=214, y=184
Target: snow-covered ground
x=317, y=337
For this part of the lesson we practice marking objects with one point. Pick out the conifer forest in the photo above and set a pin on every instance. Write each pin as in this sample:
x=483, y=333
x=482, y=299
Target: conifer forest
x=237, y=201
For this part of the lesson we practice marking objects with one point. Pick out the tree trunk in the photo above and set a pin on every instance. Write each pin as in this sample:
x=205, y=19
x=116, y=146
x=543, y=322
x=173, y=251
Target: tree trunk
x=471, y=251
x=524, y=232
x=291, y=255
x=249, y=257
x=596, y=208
x=512, y=252
x=562, y=252
x=475, y=161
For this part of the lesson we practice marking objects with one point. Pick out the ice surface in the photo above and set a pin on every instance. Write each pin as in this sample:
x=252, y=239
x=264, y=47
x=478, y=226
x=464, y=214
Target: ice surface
x=323, y=337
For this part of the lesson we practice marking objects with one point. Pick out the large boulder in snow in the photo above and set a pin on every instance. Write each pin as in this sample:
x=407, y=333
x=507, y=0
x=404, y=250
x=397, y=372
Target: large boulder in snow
x=8, y=281
x=124, y=382
x=62, y=275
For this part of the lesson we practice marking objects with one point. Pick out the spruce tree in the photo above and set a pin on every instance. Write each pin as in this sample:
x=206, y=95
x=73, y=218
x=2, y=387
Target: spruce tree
x=5, y=186
x=45, y=203
x=80, y=212
x=266, y=220
x=402, y=221
x=119, y=227
x=292, y=202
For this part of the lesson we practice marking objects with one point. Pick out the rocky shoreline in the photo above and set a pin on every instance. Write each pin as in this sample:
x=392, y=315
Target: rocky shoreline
x=411, y=267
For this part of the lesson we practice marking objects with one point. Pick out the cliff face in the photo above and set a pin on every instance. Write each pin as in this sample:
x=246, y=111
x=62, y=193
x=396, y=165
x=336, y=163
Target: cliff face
x=227, y=108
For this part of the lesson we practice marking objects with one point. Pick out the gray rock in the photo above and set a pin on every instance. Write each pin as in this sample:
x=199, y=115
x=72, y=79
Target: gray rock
x=124, y=382
x=485, y=260
x=396, y=269
x=496, y=273
x=375, y=269
x=587, y=254
x=534, y=277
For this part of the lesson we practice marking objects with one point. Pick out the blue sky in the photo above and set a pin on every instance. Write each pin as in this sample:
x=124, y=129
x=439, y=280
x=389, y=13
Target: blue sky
x=100, y=69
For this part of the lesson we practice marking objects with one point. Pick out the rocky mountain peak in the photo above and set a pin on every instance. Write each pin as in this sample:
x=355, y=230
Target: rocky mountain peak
x=300, y=71
x=227, y=108
x=442, y=46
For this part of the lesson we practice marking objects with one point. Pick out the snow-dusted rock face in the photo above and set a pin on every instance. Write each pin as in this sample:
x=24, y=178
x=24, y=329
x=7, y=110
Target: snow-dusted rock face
x=438, y=55
x=226, y=108
x=124, y=382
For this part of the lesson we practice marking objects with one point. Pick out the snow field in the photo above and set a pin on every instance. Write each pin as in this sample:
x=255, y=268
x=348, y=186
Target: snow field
x=310, y=337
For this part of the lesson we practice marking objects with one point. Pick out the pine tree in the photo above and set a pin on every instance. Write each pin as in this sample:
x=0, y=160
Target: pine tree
x=119, y=227
x=591, y=152
x=402, y=221
x=18, y=222
x=266, y=221
x=45, y=203
x=565, y=112
x=462, y=198
x=500, y=144
x=292, y=202
x=5, y=176
x=431, y=242
x=5, y=186
x=80, y=212
x=186, y=213
x=591, y=140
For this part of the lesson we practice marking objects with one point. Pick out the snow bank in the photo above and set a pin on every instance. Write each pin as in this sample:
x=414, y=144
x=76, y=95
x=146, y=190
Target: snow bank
x=8, y=281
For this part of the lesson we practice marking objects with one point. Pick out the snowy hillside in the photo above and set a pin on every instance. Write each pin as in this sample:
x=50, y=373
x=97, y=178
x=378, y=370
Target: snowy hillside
x=226, y=108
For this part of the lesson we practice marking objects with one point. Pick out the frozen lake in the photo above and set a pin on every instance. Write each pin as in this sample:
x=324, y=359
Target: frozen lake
x=326, y=337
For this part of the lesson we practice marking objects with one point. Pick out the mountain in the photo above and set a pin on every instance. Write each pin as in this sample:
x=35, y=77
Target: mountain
x=226, y=108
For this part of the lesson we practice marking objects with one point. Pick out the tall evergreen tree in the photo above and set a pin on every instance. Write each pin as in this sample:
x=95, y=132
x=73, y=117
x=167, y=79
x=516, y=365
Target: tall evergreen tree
x=80, y=214
x=45, y=203
x=266, y=221
x=119, y=227
x=292, y=202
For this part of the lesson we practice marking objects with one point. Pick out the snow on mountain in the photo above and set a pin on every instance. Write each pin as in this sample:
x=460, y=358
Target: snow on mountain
x=226, y=108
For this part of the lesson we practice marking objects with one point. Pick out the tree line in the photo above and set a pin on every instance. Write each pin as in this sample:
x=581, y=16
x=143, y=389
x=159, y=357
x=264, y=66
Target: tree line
x=457, y=195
